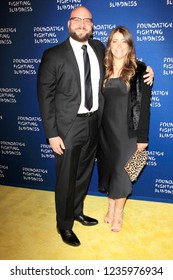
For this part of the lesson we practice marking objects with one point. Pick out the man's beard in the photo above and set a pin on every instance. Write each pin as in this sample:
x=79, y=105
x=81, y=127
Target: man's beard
x=81, y=39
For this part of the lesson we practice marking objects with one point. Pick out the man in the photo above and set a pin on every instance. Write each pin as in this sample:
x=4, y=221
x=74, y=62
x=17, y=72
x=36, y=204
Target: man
x=70, y=126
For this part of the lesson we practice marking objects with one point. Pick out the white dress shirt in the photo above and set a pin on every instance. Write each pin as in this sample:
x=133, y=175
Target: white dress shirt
x=95, y=74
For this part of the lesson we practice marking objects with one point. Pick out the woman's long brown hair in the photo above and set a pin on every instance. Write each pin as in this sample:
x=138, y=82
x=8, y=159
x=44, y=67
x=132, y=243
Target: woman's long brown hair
x=130, y=65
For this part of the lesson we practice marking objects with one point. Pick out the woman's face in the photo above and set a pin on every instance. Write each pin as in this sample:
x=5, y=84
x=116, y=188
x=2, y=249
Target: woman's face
x=119, y=47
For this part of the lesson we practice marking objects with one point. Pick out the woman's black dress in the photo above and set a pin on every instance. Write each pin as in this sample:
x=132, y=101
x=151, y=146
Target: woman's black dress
x=115, y=146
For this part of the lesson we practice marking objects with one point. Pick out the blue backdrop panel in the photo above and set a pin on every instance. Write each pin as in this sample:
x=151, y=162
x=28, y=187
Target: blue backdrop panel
x=27, y=28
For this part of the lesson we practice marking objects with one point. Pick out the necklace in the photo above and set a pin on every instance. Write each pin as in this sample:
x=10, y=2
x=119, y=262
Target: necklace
x=116, y=71
x=116, y=67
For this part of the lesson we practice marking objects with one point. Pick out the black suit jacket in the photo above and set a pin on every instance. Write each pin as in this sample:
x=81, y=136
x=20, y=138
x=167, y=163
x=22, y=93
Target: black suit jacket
x=59, y=90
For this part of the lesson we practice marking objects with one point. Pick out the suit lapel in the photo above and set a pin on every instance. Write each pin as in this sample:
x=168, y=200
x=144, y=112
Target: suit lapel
x=72, y=60
x=99, y=57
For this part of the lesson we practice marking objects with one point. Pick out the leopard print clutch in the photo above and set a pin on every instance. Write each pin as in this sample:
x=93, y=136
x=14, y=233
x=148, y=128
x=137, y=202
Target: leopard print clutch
x=135, y=164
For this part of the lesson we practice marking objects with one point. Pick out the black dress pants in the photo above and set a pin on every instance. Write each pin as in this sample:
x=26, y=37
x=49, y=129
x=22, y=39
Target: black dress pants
x=74, y=169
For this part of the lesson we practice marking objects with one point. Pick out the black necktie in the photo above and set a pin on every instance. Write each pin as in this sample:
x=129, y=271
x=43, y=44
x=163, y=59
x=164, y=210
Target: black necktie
x=88, y=86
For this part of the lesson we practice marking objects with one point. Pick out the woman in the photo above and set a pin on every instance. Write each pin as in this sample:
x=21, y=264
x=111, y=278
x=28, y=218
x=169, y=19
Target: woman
x=125, y=122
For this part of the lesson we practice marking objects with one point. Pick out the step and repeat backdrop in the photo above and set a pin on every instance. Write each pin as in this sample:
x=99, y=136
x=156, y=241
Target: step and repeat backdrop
x=27, y=28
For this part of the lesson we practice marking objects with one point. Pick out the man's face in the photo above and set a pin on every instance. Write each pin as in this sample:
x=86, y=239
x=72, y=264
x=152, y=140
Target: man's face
x=80, y=25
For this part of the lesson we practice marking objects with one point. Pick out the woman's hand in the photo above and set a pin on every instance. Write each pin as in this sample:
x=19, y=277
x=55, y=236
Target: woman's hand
x=142, y=146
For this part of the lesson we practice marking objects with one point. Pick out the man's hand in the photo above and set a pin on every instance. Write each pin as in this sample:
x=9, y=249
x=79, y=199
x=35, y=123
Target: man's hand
x=57, y=145
x=148, y=78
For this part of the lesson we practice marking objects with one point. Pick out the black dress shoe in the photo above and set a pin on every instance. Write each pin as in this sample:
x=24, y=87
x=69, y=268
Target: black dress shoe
x=86, y=221
x=69, y=237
